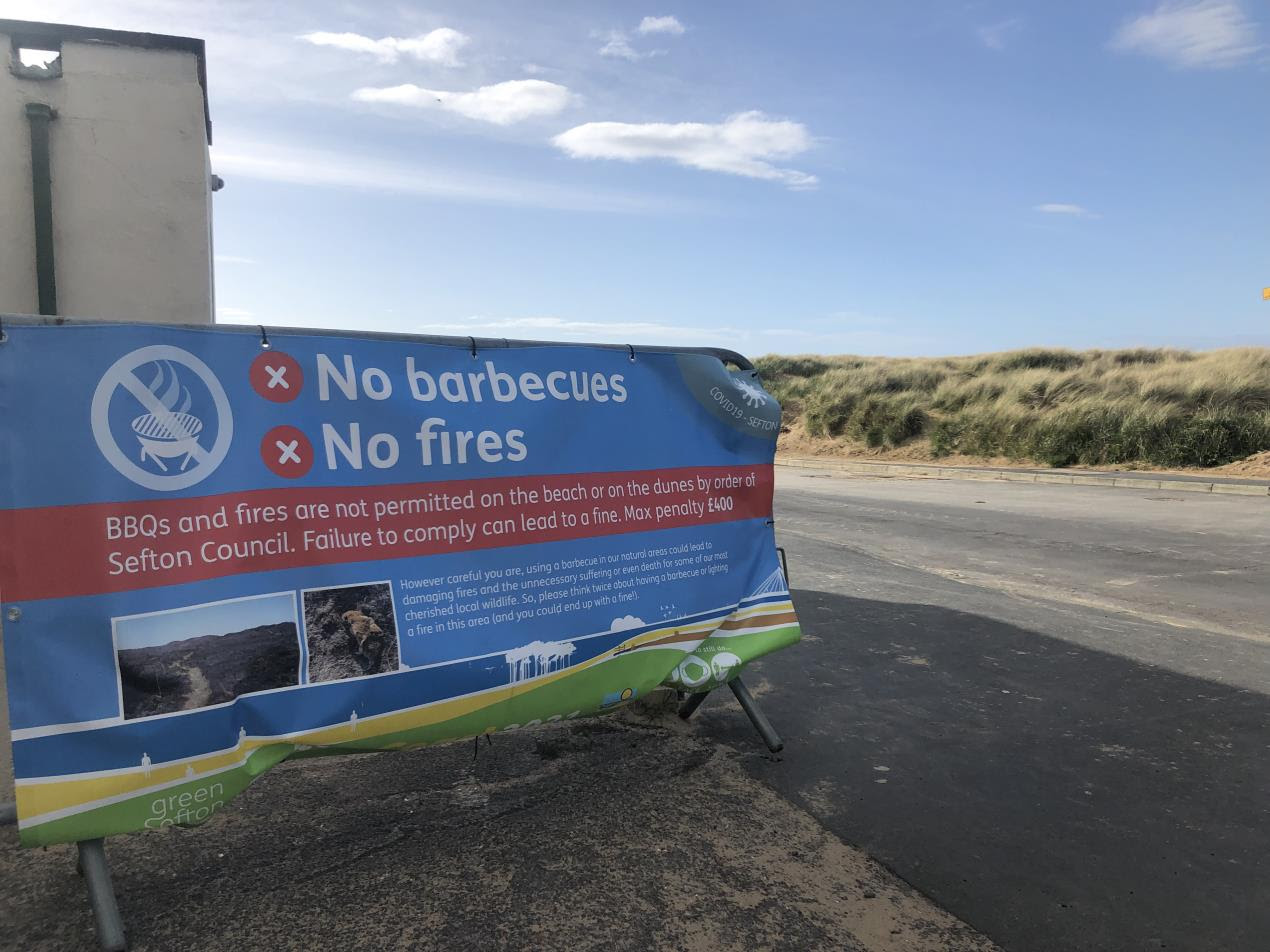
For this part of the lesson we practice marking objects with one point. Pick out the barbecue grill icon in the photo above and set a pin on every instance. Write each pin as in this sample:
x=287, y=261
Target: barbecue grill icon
x=162, y=381
x=174, y=433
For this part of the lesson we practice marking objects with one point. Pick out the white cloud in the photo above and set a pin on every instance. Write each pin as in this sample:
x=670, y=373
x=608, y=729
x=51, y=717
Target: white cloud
x=1204, y=34
x=799, y=336
x=618, y=46
x=1063, y=208
x=557, y=328
x=995, y=36
x=669, y=25
x=834, y=335
x=783, y=340
x=743, y=144
x=501, y=104
x=321, y=168
x=848, y=331
x=626, y=623
x=441, y=46
x=252, y=54
x=233, y=259
x=232, y=314
x=824, y=335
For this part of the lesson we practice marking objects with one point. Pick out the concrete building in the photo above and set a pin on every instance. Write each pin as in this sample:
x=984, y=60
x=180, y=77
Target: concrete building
x=105, y=181
x=105, y=187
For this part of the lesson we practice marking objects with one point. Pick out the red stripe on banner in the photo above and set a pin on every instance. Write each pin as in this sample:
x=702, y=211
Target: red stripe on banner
x=63, y=551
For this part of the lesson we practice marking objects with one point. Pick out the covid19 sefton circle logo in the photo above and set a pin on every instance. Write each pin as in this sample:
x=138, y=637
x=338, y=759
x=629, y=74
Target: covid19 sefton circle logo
x=161, y=418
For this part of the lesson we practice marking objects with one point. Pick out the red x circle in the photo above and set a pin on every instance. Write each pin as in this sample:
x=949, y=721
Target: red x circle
x=287, y=452
x=276, y=376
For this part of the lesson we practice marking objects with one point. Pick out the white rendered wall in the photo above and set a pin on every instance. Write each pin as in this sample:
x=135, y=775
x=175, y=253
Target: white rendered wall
x=130, y=173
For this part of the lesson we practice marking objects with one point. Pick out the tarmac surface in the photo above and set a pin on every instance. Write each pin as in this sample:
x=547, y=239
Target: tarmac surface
x=1043, y=706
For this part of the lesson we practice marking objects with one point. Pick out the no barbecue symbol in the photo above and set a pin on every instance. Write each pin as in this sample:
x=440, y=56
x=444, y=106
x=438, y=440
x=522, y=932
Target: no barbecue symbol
x=152, y=427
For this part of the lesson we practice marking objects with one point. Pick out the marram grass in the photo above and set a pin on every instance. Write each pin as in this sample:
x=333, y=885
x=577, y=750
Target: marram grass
x=1165, y=408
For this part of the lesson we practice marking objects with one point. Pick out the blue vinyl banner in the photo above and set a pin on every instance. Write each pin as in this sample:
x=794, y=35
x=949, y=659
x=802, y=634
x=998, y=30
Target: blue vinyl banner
x=217, y=555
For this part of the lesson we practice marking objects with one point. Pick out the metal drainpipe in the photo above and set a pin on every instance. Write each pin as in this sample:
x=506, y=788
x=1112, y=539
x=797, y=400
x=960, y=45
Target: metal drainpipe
x=40, y=115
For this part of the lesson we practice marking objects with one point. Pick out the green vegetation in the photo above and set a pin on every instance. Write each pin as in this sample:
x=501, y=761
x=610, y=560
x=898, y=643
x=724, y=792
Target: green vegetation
x=1165, y=408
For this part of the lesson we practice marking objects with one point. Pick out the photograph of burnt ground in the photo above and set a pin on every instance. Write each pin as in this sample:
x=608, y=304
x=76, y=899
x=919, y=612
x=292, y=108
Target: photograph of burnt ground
x=206, y=654
x=351, y=631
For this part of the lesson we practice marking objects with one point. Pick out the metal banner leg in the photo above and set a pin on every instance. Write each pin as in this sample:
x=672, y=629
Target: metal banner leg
x=101, y=895
x=689, y=706
x=756, y=716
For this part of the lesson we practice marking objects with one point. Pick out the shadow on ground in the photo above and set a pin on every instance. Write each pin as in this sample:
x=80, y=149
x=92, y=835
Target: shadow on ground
x=614, y=834
x=1054, y=797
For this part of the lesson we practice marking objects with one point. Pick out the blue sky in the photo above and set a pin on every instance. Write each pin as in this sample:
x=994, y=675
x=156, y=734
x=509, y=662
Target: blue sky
x=880, y=178
x=221, y=618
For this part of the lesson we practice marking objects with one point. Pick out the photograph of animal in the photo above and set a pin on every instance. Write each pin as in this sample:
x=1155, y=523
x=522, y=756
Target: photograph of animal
x=351, y=631
x=367, y=642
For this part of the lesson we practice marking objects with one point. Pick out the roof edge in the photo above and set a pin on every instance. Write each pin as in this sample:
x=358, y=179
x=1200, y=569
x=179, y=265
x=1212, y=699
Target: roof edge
x=54, y=34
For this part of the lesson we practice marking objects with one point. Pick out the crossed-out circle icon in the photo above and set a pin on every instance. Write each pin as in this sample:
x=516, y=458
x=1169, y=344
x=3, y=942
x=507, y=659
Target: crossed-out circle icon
x=167, y=438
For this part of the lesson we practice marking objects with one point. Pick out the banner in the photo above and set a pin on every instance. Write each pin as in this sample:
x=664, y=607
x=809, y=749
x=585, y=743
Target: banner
x=216, y=554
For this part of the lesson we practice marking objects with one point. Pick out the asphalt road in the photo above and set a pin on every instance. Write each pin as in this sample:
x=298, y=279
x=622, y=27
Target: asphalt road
x=1043, y=706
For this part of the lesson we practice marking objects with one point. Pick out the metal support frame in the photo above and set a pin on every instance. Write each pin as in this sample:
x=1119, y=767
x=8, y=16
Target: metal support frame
x=756, y=716
x=101, y=895
x=694, y=701
x=751, y=708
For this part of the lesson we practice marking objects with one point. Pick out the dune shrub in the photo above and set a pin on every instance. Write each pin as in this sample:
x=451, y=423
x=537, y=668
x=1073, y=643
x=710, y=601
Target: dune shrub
x=1162, y=407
